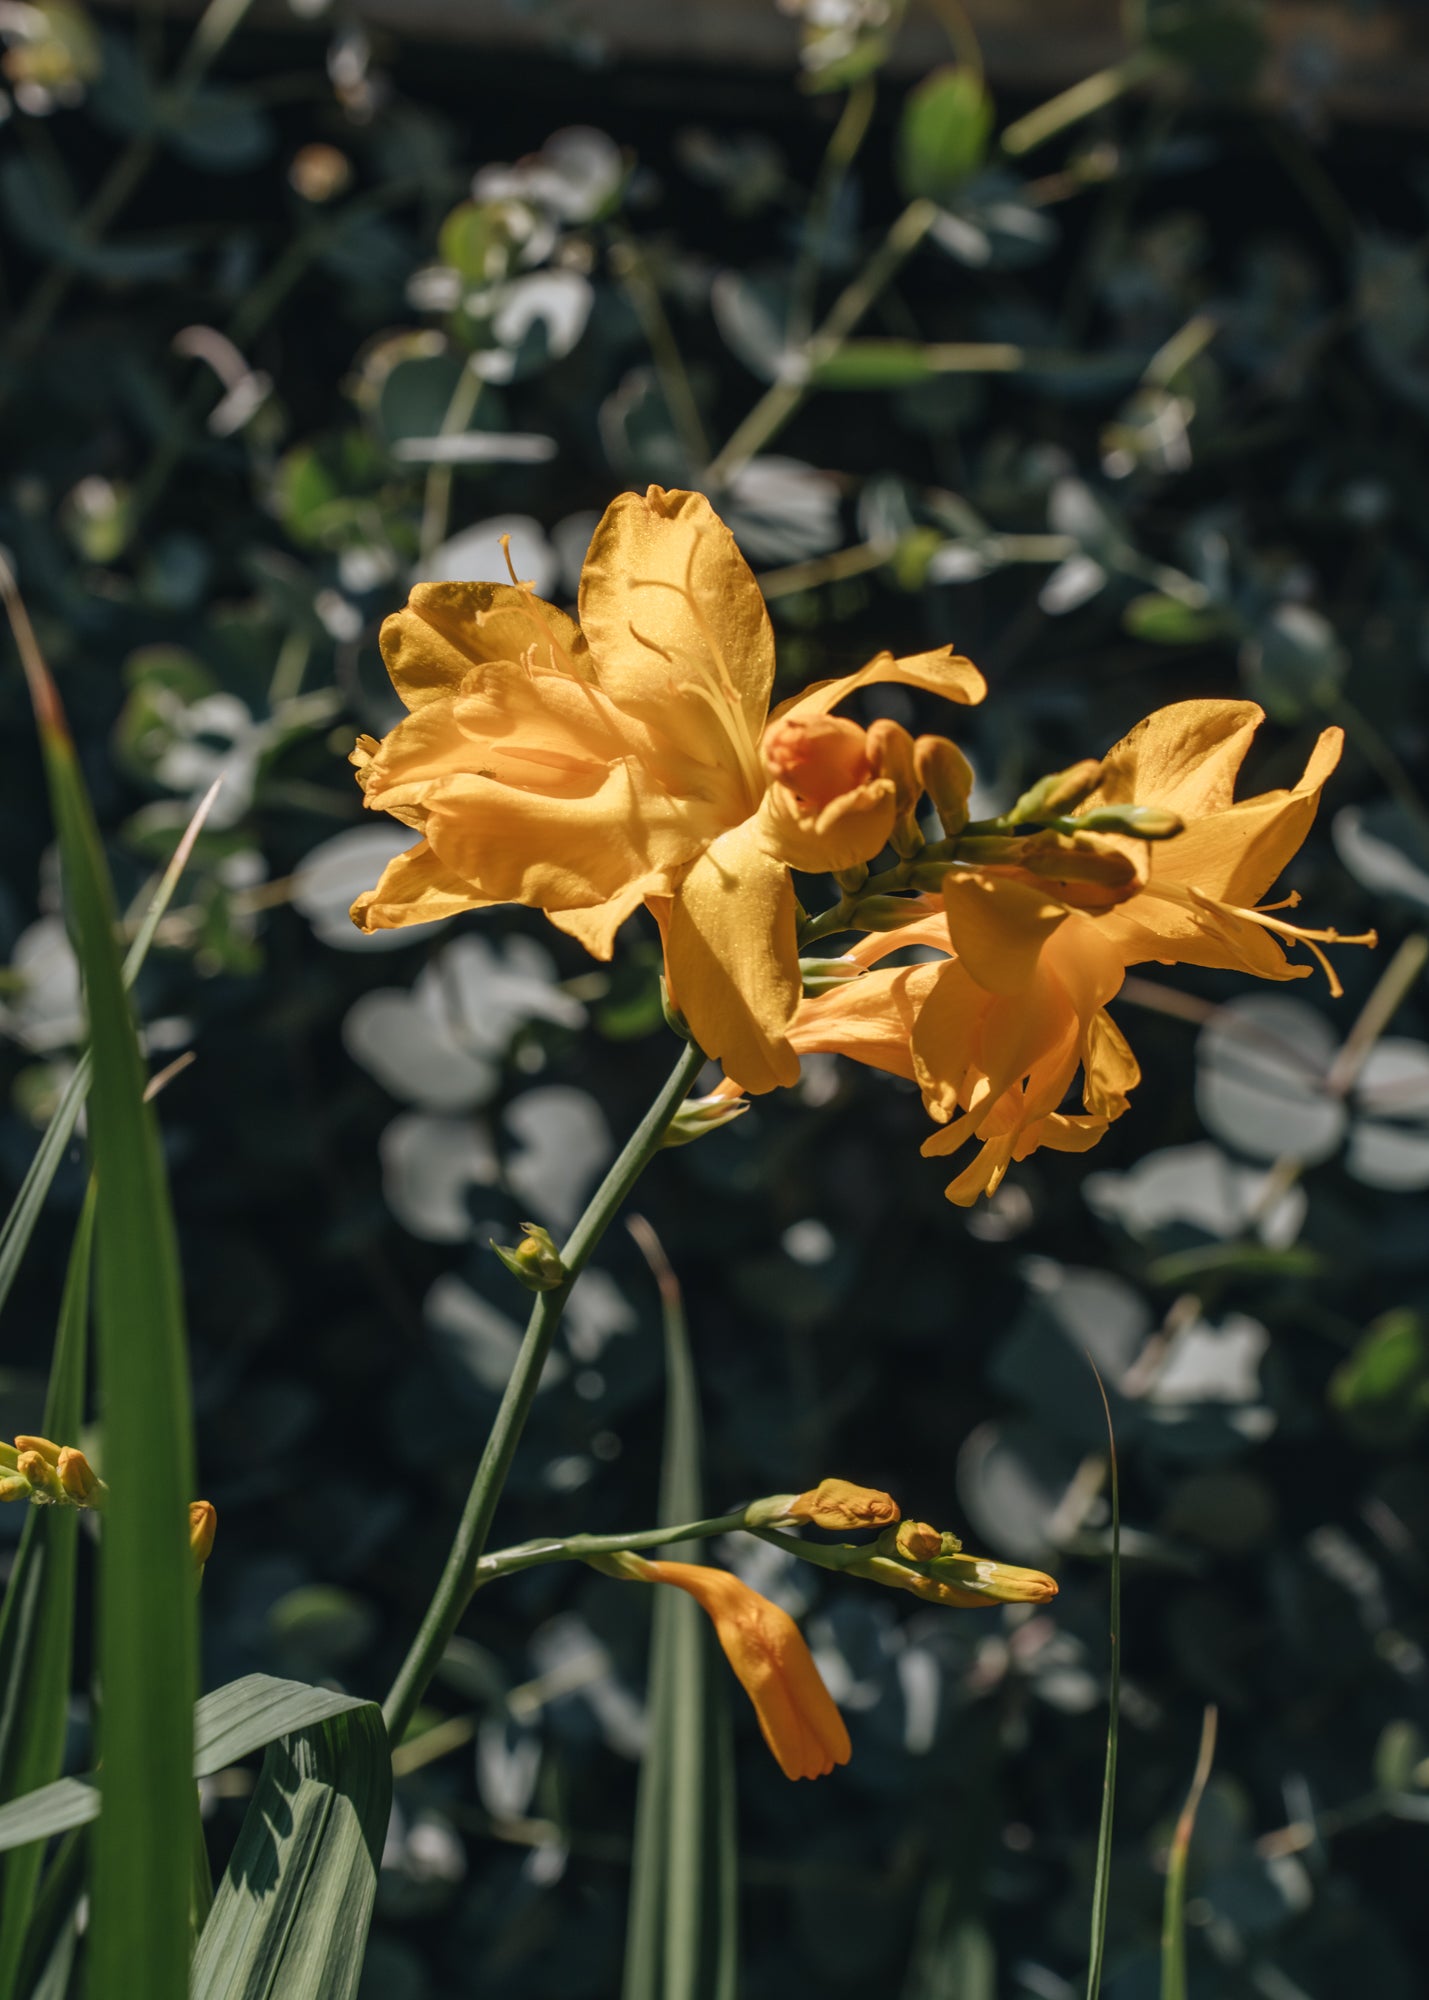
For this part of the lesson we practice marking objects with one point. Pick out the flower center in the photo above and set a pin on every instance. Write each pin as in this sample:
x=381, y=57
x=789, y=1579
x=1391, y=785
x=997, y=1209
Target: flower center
x=818, y=759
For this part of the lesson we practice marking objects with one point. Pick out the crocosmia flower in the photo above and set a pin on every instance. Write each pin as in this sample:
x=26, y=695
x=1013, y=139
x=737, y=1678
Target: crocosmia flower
x=583, y=769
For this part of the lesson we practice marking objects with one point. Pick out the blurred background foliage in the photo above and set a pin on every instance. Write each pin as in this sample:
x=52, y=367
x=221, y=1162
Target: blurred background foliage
x=297, y=316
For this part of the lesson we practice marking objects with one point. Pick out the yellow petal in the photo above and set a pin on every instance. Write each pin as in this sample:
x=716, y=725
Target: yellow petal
x=1184, y=757
x=999, y=927
x=1268, y=831
x=732, y=959
x=677, y=627
x=596, y=925
x=942, y=672
x=445, y=629
x=869, y=1019
x=415, y=888
x=851, y=828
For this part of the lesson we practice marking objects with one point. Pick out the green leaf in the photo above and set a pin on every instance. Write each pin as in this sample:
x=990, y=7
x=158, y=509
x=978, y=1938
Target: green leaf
x=147, y=1640
x=1173, y=1923
x=37, y=1619
x=1167, y=621
x=682, y=1941
x=1101, y=1886
x=19, y=1225
x=1382, y=1388
x=1293, y=662
x=942, y=139
x=290, y=1918
x=231, y=1723
x=874, y=364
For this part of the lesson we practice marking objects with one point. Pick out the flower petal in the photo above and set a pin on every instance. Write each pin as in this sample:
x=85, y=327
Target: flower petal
x=445, y=629
x=732, y=959
x=941, y=672
x=1184, y=757
x=678, y=629
x=869, y=1020
x=850, y=829
x=999, y=927
x=415, y=888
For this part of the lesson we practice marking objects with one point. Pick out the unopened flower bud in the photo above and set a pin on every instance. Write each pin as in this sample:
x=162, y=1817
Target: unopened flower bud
x=49, y=1452
x=947, y=777
x=699, y=1116
x=891, y=753
x=1052, y=796
x=79, y=1479
x=203, y=1526
x=988, y=1582
x=14, y=1486
x=887, y=913
x=44, y=1479
x=8, y=1456
x=1140, y=822
x=836, y=1503
x=535, y=1260
x=916, y=1541
x=822, y=975
x=674, y=1019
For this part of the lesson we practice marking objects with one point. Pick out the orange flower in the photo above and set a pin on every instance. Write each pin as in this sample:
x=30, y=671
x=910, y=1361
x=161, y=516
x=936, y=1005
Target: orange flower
x=583, y=770
x=775, y=1667
x=835, y=1503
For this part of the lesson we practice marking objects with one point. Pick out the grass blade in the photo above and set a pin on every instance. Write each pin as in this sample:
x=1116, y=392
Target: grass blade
x=147, y=1642
x=19, y=1224
x=290, y=1918
x=682, y=1941
x=1173, y=1923
x=1101, y=1887
x=37, y=1619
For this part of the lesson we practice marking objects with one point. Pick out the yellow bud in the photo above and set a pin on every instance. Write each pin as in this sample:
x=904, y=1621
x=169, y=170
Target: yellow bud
x=835, y=1503
x=983, y=1581
x=79, y=1479
x=47, y=1451
x=917, y=1542
x=203, y=1526
x=14, y=1486
x=891, y=755
x=535, y=1261
x=43, y=1478
x=1052, y=796
x=8, y=1456
x=947, y=777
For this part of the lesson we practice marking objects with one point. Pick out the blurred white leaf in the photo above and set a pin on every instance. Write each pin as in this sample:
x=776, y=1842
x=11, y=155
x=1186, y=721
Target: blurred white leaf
x=781, y=510
x=557, y=301
x=1199, y=1185
x=1389, y=1140
x=1375, y=860
x=569, y=1659
x=1212, y=1364
x=597, y=1310
x=563, y=1142
x=508, y=1762
x=1074, y=582
x=1261, y=1063
x=476, y=448
x=411, y=1050
x=47, y=1013
x=427, y=1166
x=751, y=323
x=330, y=877
x=575, y=175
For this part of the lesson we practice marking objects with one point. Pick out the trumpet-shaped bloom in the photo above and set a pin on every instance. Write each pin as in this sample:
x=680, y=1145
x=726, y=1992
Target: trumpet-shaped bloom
x=585, y=769
x=995, y=1033
x=765, y=1647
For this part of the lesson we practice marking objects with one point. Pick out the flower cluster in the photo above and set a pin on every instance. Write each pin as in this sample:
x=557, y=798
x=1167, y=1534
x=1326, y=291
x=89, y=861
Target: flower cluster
x=632, y=759
x=766, y=1649
x=49, y=1475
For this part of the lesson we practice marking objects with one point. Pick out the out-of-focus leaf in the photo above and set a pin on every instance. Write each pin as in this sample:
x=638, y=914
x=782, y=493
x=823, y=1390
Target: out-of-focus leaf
x=1386, y=850
x=1261, y=1063
x=1382, y=1389
x=943, y=134
x=1293, y=662
x=1168, y=621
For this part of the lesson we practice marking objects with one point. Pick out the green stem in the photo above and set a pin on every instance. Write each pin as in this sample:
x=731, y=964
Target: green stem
x=848, y=136
x=437, y=493
x=1091, y=95
x=779, y=402
x=458, y=1578
x=628, y=262
x=577, y=1548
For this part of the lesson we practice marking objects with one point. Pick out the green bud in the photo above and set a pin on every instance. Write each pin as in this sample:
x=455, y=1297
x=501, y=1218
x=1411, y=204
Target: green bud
x=770, y=1512
x=1140, y=822
x=851, y=880
x=699, y=1116
x=14, y=1486
x=9, y=1457
x=821, y=975
x=673, y=1017
x=535, y=1261
x=1056, y=794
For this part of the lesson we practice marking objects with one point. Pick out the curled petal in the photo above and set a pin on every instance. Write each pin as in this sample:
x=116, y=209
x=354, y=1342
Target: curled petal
x=445, y=629
x=415, y=888
x=941, y=672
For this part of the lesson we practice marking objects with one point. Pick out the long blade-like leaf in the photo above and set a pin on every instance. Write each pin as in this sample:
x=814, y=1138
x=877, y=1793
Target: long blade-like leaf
x=682, y=1941
x=19, y=1224
x=37, y=1619
x=1173, y=1923
x=290, y=1917
x=1101, y=1886
x=147, y=1644
x=230, y=1723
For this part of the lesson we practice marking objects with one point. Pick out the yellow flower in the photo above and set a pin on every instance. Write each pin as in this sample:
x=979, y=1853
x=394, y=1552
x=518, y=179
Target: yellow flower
x=203, y=1527
x=583, y=770
x=775, y=1668
x=834, y=1503
x=995, y=1034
